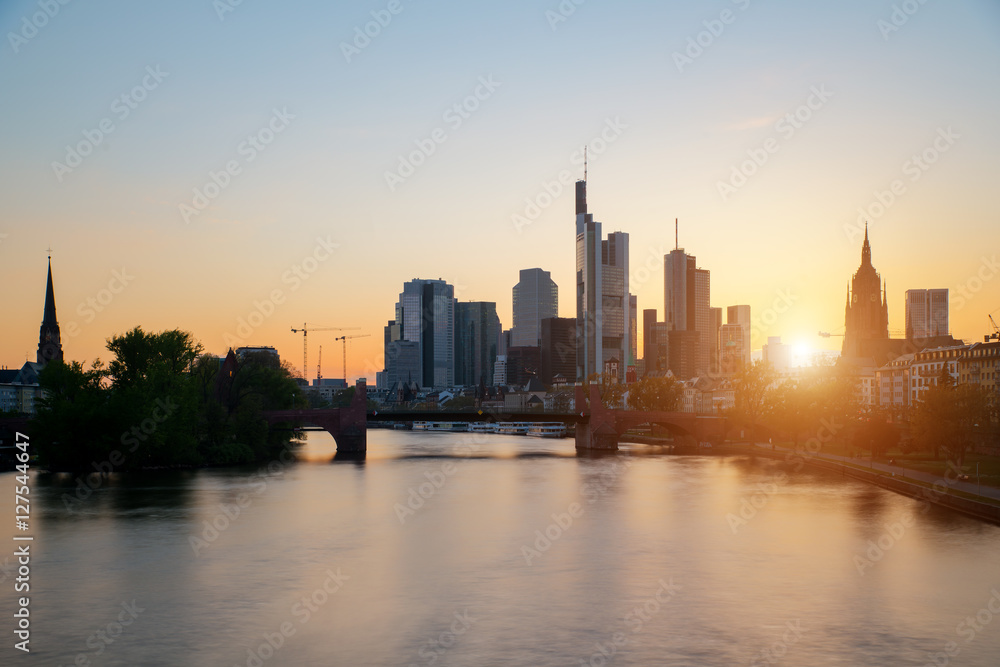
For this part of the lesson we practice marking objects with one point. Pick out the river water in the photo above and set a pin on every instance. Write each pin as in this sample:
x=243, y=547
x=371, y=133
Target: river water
x=454, y=549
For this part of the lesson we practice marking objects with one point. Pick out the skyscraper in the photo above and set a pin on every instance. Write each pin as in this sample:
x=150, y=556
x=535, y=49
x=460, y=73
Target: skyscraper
x=687, y=308
x=477, y=340
x=740, y=315
x=714, y=331
x=49, y=342
x=926, y=313
x=536, y=297
x=616, y=312
x=425, y=314
x=558, y=349
x=589, y=353
x=867, y=313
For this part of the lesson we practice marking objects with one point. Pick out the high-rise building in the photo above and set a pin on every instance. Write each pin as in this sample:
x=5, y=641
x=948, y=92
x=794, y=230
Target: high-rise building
x=523, y=363
x=687, y=307
x=633, y=330
x=558, y=349
x=477, y=340
x=867, y=313
x=777, y=354
x=731, y=345
x=49, y=342
x=425, y=314
x=602, y=294
x=536, y=297
x=741, y=315
x=714, y=331
x=926, y=313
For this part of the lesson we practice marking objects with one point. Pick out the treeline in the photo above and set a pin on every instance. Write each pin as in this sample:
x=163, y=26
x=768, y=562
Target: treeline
x=161, y=403
x=824, y=403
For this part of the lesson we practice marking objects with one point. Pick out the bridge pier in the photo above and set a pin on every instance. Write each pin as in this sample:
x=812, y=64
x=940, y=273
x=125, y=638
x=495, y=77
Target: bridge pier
x=600, y=432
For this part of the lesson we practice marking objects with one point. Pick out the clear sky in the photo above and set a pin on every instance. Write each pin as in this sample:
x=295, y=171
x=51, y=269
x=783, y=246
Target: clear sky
x=310, y=127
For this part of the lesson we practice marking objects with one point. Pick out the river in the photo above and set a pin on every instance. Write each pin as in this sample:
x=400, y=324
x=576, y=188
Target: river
x=455, y=549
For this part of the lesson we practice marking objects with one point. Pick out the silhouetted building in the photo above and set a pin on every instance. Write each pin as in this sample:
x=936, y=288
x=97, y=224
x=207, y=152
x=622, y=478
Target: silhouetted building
x=602, y=292
x=477, y=340
x=867, y=312
x=49, y=343
x=687, y=308
x=731, y=344
x=926, y=313
x=536, y=297
x=558, y=352
x=740, y=315
x=714, y=333
x=523, y=363
x=425, y=314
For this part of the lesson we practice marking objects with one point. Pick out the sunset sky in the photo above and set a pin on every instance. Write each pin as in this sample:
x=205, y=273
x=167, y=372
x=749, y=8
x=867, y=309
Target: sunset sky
x=190, y=87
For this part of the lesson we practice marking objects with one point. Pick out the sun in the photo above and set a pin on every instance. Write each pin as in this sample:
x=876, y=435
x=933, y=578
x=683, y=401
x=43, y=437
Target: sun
x=802, y=354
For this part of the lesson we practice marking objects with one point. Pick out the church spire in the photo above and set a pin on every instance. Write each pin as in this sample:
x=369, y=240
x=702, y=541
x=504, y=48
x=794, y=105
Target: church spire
x=49, y=344
x=866, y=250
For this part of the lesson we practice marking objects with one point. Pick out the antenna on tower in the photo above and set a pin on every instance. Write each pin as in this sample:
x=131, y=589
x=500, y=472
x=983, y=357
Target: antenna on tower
x=584, y=164
x=677, y=235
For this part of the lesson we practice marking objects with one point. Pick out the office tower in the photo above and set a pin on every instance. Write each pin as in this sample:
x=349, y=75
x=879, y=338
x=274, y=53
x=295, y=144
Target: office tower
x=425, y=314
x=732, y=344
x=633, y=330
x=536, y=297
x=714, y=330
x=602, y=294
x=649, y=351
x=866, y=317
x=687, y=308
x=926, y=313
x=523, y=363
x=477, y=341
x=741, y=315
x=558, y=349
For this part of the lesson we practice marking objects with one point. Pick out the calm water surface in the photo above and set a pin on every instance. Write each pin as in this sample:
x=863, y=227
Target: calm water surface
x=451, y=549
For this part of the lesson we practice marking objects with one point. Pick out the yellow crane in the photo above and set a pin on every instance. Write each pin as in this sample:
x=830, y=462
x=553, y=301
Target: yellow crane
x=305, y=343
x=345, y=339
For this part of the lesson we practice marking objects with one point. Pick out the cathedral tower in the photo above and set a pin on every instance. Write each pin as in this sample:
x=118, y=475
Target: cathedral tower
x=49, y=345
x=867, y=312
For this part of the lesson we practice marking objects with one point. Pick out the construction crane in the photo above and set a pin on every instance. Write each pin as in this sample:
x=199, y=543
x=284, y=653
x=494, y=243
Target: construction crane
x=823, y=334
x=345, y=339
x=305, y=343
x=319, y=366
x=996, y=331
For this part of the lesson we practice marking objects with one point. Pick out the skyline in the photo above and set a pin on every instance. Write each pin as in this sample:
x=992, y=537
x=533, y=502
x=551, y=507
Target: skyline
x=670, y=138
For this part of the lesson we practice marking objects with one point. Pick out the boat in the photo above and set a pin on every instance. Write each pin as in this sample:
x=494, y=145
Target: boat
x=482, y=427
x=547, y=430
x=513, y=428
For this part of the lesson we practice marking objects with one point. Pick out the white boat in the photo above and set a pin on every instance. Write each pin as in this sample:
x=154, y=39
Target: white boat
x=421, y=426
x=482, y=427
x=547, y=430
x=513, y=428
x=448, y=427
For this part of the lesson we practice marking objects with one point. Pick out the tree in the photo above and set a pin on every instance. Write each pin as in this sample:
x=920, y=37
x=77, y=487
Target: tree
x=612, y=391
x=652, y=394
x=751, y=387
x=949, y=415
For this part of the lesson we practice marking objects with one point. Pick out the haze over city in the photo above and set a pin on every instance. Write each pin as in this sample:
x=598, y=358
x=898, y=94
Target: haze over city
x=313, y=119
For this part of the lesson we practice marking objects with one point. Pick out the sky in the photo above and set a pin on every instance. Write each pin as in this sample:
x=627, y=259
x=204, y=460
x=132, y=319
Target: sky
x=200, y=165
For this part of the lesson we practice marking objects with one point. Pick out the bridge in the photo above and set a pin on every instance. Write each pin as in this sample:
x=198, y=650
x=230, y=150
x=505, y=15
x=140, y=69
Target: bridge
x=597, y=427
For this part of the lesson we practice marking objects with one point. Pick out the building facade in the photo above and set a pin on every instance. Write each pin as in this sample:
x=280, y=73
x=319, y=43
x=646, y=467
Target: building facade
x=477, y=342
x=425, y=314
x=687, y=312
x=926, y=313
x=558, y=350
x=536, y=297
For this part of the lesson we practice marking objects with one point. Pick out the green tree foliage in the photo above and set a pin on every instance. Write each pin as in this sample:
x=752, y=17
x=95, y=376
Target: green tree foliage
x=655, y=394
x=612, y=393
x=876, y=433
x=156, y=405
x=949, y=415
